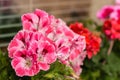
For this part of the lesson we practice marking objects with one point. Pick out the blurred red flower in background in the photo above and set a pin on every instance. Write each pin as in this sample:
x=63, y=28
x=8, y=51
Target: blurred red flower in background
x=111, y=28
x=92, y=41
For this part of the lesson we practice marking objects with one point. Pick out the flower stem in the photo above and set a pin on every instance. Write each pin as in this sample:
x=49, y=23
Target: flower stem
x=73, y=74
x=110, y=47
x=76, y=77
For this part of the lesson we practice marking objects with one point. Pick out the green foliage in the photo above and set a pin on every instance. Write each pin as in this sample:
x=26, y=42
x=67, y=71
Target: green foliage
x=6, y=72
x=57, y=71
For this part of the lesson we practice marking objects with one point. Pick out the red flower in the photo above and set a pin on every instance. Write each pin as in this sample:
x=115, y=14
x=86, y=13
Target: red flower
x=92, y=41
x=111, y=29
x=93, y=45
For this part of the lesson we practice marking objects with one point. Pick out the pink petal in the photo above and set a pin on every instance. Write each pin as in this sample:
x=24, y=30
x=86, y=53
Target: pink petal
x=20, y=71
x=44, y=66
x=40, y=13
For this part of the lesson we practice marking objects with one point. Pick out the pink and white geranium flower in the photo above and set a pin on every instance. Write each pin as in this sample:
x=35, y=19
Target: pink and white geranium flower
x=20, y=42
x=25, y=65
x=38, y=21
x=45, y=51
x=43, y=40
x=31, y=52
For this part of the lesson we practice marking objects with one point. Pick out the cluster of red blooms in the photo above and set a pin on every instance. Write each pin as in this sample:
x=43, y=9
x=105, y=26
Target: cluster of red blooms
x=111, y=29
x=92, y=41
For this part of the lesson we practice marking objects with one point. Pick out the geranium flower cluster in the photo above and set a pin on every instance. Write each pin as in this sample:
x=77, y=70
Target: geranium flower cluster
x=110, y=11
x=111, y=29
x=92, y=41
x=111, y=17
x=43, y=40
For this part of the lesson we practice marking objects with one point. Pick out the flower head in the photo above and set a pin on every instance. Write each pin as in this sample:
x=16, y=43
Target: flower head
x=20, y=42
x=31, y=52
x=109, y=12
x=38, y=21
x=42, y=40
x=105, y=12
x=93, y=45
x=68, y=43
x=26, y=64
x=111, y=29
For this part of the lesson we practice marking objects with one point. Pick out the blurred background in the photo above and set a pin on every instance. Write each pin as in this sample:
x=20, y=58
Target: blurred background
x=68, y=10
